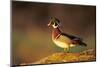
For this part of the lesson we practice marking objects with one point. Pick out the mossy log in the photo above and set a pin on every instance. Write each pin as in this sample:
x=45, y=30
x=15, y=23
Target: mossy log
x=87, y=55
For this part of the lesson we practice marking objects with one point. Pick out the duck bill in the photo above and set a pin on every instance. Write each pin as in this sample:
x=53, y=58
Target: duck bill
x=49, y=24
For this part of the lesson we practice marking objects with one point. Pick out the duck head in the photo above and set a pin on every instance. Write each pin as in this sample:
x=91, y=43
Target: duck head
x=54, y=22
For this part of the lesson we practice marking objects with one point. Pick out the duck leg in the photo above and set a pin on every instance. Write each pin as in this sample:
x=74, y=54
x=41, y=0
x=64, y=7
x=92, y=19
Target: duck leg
x=67, y=49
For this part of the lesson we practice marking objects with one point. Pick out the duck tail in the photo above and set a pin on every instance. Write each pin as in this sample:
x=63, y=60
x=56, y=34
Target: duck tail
x=82, y=43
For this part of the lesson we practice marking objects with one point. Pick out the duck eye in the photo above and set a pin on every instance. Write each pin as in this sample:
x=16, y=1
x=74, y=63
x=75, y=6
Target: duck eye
x=55, y=24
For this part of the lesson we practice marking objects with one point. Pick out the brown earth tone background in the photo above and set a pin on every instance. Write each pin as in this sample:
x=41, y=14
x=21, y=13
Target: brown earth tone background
x=31, y=38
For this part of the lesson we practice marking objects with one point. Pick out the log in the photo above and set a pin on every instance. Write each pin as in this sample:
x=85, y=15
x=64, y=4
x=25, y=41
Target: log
x=62, y=57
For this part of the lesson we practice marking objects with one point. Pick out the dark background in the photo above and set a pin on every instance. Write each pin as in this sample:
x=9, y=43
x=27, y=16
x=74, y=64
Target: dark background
x=31, y=38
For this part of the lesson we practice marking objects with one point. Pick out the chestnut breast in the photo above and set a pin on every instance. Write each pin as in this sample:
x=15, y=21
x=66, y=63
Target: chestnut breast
x=55, y=32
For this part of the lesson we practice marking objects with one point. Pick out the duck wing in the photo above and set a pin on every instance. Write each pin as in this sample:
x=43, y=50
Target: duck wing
x=71, y=36
x=74, y=38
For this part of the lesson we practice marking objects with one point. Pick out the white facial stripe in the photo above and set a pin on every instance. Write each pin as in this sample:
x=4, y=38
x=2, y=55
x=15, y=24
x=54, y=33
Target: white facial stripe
x=55, y=26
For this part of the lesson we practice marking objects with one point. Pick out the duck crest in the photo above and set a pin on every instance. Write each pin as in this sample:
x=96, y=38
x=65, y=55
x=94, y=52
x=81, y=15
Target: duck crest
x=55, y=33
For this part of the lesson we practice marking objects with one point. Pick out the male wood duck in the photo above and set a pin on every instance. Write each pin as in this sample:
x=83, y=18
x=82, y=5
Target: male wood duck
x=61, y=39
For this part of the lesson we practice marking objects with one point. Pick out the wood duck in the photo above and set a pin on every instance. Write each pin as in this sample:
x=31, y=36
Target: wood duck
x=61, y=39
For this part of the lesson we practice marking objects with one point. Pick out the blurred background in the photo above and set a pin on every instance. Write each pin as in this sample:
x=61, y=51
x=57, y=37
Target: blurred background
x=31, y=38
